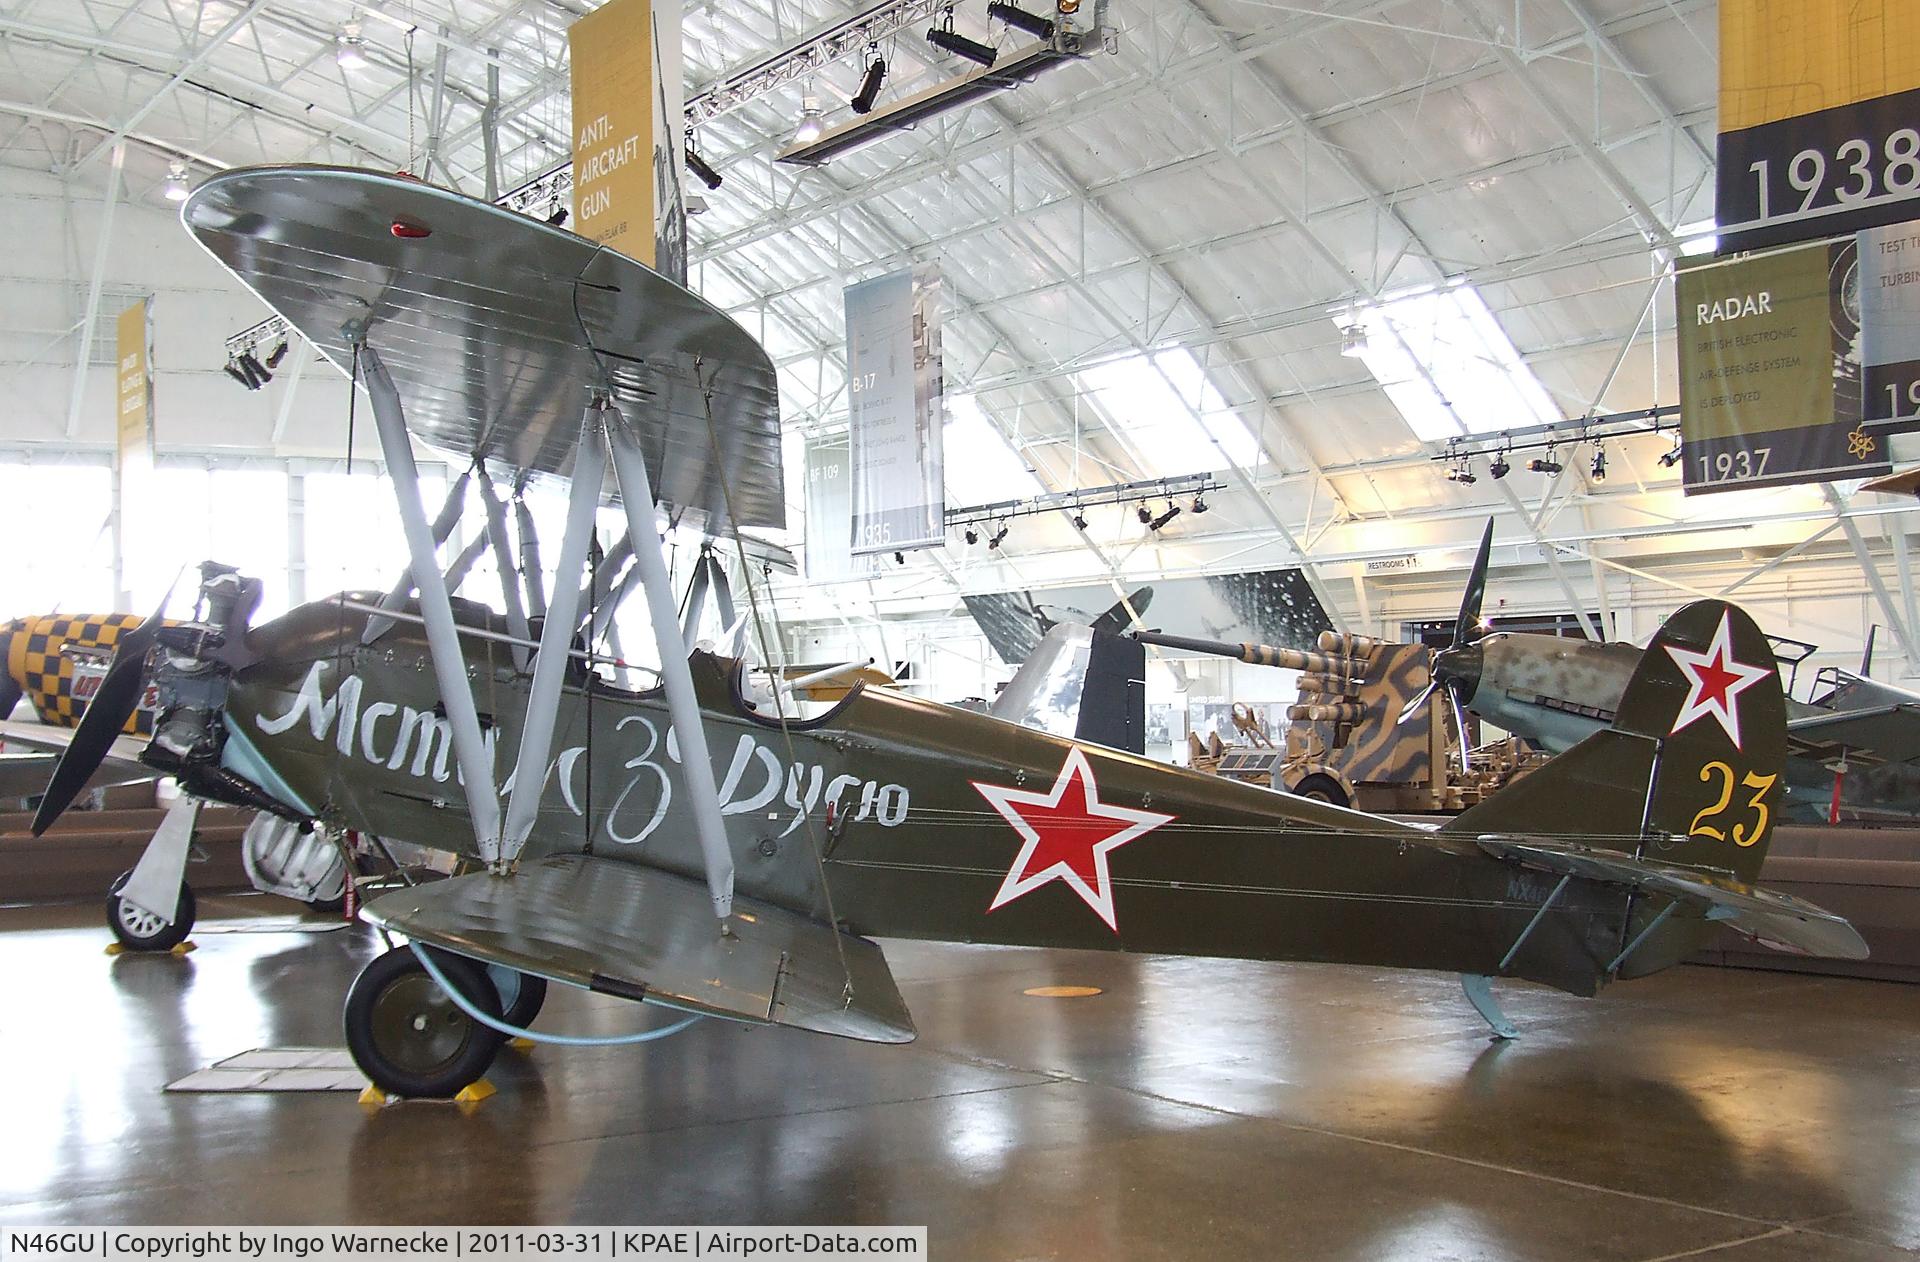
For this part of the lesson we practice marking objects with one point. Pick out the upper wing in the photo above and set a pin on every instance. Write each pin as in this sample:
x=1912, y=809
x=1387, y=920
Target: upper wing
x=1766, y=914
x=495, y=328
x=1885, y=733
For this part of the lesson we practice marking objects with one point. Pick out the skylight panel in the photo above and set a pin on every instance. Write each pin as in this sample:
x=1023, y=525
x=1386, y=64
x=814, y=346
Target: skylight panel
x=982, y=466
x=1447, y=364
x=1167, y=410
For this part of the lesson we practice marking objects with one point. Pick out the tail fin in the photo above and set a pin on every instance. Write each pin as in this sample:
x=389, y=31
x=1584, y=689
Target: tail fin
x=1690, y=772
x=1083, y=683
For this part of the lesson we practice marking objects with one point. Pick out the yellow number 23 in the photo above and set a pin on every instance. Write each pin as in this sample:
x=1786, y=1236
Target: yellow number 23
x=1742, y=835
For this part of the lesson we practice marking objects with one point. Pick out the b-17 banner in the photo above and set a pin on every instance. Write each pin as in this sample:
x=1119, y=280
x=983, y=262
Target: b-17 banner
x=1770, y=371
x=897, y=412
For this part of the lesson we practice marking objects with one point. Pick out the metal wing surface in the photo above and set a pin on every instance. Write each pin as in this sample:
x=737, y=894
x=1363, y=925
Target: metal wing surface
x=1888, y=733
x=639, y=932
x=25, y=774
x=496, y=328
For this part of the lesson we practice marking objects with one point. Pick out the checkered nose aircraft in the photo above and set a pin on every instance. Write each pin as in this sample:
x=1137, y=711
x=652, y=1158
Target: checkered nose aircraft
x=704, y=845
x=57, y=661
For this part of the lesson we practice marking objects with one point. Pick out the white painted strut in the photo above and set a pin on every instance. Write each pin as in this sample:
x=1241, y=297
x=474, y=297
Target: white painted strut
x=683, y=706
x=503, y=562
x=442, y=527
x=436, y=608
x=556, y=636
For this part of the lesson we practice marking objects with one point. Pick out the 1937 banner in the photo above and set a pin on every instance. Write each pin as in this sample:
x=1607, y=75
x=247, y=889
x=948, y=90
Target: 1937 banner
x=1770, y=372
x=1819, y=119
x=897, y=412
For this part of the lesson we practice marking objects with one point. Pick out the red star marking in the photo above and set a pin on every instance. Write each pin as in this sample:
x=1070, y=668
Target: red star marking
x=1715, y=680
x=1069, y=832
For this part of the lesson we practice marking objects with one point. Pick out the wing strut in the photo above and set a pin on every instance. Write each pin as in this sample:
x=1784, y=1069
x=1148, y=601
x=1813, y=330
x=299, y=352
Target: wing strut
x=650, y=563
x=503, y=561
x=436, y=607
x=442, y=527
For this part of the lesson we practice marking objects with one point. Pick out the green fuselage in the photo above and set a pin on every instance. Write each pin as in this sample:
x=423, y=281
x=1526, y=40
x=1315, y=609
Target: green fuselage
x=899, y=815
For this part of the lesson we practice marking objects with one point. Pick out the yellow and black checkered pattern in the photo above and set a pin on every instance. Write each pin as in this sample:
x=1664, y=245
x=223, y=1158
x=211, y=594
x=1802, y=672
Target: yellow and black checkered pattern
x=46, y=675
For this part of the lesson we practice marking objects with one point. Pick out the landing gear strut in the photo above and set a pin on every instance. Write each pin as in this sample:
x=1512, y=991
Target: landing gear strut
x=409, y=1037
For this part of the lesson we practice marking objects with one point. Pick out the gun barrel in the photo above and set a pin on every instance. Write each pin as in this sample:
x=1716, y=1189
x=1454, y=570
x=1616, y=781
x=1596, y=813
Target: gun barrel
x=1259, y=654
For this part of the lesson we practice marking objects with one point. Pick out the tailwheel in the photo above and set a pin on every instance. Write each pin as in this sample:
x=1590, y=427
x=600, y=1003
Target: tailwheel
x=140, y=930
x=409, y=1037
x=521, y=994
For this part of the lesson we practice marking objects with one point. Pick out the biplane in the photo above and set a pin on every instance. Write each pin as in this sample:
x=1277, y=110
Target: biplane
x=703, y=845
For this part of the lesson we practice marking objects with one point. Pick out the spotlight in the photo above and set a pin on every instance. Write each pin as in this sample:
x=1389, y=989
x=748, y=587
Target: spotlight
x=277, y=354
x=899, y=558
x=973, y=536
x=1463, y=475
x=1498, y=467
x=1545, y=464
x=698, y=165
x=949, y=40
x=1199, y=504
x=1173, y=511
x=810, y=125
x=232, y=369
x=1353, y=340
x=1598, y=470
x=254, y=369
x=556, y=213
x=1668, y=459
x=1032, y=23
x=998, y=536
x=1079, y=522
x=869, y=87
x=175, y=188
x=1145, y=515
x=349, y=49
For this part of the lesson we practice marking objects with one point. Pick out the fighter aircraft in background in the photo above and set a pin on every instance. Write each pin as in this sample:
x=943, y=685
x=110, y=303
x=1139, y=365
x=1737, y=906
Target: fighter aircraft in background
x=702, y=845
x=1853, y=748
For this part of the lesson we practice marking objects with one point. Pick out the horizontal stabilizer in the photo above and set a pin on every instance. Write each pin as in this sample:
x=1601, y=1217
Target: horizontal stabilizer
x=1775, y=918
x=1888, y=733
x=642, y=933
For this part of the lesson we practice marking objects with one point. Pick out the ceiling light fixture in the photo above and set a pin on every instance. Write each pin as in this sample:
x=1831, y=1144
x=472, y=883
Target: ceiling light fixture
x=1353, y=340
x=999, y=536
x=1199, y=504
x=175, y=187
x=1032, y=23
x=1498, y=467
x=972, y=536
x=1173, y=511
x=1598, y=470
x=277, y=354
x=1079, y=522
x=349, y=49
x=698, y=165
x=1145, y=515
x=1463, y=475
x=810, y=127
x=949, y=40
x=1545, y=464
x=870, y=86
x=1668, y=459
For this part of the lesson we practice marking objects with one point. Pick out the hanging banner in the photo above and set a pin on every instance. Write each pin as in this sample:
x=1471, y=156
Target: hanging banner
x=627, y=103
x=1890, y=322
x=1770, y=371
x=897, y=412
x=1819, y=119
x=830, y=515
x=133, y=340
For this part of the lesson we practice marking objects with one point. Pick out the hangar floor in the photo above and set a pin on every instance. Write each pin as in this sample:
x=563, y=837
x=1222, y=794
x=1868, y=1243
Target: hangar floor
x=1196, y=1108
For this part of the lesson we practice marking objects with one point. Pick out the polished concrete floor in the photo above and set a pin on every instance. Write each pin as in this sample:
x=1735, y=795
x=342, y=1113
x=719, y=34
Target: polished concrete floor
x=1194, y=1109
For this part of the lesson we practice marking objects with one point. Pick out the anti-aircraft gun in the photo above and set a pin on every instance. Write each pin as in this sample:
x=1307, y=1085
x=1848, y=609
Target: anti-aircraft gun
x=1344, y=743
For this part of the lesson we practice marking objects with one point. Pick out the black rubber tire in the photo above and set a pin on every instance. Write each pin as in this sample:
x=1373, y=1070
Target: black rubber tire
x=137, y=931
x=1322, y=788
x=521, y=994
x=409, y=1037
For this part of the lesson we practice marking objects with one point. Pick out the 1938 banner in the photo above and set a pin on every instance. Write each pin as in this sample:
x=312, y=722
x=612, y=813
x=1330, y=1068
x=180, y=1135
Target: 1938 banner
x=896, y=412
x=1770, y=371
x=1819, y=119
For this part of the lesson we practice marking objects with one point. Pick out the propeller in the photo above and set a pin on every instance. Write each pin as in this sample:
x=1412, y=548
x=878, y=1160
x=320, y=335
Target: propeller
x=112, y=705
x=1456, y=664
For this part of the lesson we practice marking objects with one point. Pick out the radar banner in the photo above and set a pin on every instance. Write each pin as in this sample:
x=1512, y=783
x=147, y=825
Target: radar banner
x=1770, y=371
x=1819, y=119
x=897, y=412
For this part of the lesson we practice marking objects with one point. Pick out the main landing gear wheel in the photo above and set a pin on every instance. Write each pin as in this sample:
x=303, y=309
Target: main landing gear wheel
x=140, y=930
x=521, y=994
x=1322, y=789
x=409, y=1037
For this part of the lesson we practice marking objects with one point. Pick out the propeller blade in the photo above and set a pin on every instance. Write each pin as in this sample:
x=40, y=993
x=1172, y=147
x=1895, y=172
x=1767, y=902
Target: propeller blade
x=108, y=712
x=1418, y=703
x=1460, y=725
x=1476, y=590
